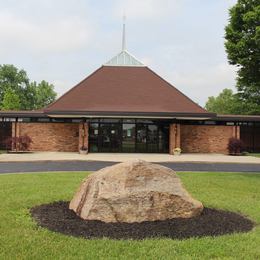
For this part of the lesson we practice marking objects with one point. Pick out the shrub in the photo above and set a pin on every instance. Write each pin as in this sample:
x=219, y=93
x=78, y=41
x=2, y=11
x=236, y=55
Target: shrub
x=235, y=146
x=21, y=143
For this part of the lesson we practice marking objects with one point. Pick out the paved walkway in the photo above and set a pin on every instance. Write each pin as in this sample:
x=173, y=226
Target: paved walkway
x=117, y=157
x=16, y=167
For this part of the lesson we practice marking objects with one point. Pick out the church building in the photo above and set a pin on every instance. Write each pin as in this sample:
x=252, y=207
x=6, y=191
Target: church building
x=125, y=107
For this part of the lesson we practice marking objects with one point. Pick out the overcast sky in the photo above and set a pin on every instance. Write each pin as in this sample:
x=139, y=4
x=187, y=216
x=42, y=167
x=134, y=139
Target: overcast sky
x=63, y=41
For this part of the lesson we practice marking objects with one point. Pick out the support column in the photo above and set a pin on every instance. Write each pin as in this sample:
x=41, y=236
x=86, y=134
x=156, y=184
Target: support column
x=15, y=133
x=175, y=137
x=236, y=131
x=83, y=135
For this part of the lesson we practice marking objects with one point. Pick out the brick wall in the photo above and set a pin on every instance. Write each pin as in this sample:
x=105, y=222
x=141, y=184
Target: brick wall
x=63, y=137
x=206, y=139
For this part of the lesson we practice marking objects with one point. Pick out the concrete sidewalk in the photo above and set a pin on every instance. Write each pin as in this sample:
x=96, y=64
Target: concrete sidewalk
x=121, y=157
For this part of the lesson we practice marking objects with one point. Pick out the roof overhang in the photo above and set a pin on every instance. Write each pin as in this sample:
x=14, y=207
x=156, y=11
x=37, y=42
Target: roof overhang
x=112, y=114
x=100, y=114
x=14, y=114
x=237, y=118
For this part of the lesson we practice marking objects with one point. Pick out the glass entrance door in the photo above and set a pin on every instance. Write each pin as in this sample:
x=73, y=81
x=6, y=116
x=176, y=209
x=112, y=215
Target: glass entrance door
x=141, y=138
x=152, y=138
x=115, y=138
x=110, y=138
x=128, y=138
x=104, y=138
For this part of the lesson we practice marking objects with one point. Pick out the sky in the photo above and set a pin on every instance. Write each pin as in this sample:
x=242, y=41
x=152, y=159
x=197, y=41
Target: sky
x=63, y=41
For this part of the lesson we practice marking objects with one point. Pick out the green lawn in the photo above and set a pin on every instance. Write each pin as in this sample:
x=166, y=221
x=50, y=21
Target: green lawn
x=20, y=238
x=255, y=154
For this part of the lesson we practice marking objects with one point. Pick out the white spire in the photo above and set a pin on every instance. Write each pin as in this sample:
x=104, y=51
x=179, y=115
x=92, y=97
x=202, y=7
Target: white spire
x=123, y=38
x=124, y=58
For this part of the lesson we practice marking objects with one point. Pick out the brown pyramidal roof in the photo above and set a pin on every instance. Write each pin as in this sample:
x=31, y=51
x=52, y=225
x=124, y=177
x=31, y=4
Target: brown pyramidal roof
x=124, y=89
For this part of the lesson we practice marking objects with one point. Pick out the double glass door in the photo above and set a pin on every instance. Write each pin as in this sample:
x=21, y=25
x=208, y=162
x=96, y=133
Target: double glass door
x=110, y=138
x=128, y=138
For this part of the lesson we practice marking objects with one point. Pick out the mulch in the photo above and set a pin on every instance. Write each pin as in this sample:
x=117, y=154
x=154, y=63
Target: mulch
x=212, y=222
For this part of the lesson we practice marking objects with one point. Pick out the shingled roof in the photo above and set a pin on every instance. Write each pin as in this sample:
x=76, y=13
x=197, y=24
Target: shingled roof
x=122, y=90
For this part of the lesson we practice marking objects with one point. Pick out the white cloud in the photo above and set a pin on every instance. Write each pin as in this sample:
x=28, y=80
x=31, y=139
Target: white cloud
x=147, y=9
x=55, y=36
x=61, y=86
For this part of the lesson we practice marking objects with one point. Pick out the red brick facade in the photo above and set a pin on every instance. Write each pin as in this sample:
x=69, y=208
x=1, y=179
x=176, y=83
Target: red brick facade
x=207, y=139
x=63, y=137
x=70, y=137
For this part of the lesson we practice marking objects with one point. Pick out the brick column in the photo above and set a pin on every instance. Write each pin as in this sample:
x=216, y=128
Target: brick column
x=236, y=131
x=83, y=135
x=15, y=133
x=175, y=137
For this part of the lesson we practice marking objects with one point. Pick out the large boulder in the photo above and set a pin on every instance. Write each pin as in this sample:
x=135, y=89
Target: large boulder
x=134, y=191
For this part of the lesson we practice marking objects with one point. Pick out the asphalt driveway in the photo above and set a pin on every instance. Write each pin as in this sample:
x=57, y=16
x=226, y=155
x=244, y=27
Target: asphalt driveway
x=45, y=166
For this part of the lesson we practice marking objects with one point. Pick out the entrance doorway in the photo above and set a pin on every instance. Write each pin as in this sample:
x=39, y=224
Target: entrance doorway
x=109, y=138
x=128, y=136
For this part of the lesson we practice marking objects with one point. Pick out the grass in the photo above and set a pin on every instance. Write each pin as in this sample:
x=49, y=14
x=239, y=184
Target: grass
x=20, y=238
x=255, y=154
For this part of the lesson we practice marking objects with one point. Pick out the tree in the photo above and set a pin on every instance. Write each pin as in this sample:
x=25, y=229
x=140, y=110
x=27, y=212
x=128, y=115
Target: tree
x=12, y=79
x=16, y=83
x=243, y=49
x=225, y=103
x=29, y=97
x=45, y=94
x=11, y=100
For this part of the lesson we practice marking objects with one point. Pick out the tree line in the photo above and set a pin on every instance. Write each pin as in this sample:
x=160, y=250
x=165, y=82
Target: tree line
x=242, y=45
x=17, y=92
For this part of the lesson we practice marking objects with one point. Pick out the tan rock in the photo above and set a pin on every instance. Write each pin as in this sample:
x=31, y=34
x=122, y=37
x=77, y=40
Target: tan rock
x=134, y=191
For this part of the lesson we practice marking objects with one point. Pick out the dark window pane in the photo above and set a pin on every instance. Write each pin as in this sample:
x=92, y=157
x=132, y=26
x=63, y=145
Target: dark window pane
x=152, y=138
x=163, y=139
x=128, y=138
x=140, y=138
x=93, y=137
x=110, y=120
x=115, y=137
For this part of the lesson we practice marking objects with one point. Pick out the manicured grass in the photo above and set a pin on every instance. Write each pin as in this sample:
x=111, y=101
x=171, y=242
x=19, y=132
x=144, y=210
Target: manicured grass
x=20, y=238
x=255, y=154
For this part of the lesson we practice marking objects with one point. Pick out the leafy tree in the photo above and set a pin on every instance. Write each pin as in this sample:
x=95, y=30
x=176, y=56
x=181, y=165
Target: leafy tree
x=225, y=103
x=243, y=49
x=16, y=83
x=11, y=100
x=29, y=97
x=12, y=78
x=45, y=94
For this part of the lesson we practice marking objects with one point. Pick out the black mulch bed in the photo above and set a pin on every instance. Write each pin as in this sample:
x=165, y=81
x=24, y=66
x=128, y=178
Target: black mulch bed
x=58, y=217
